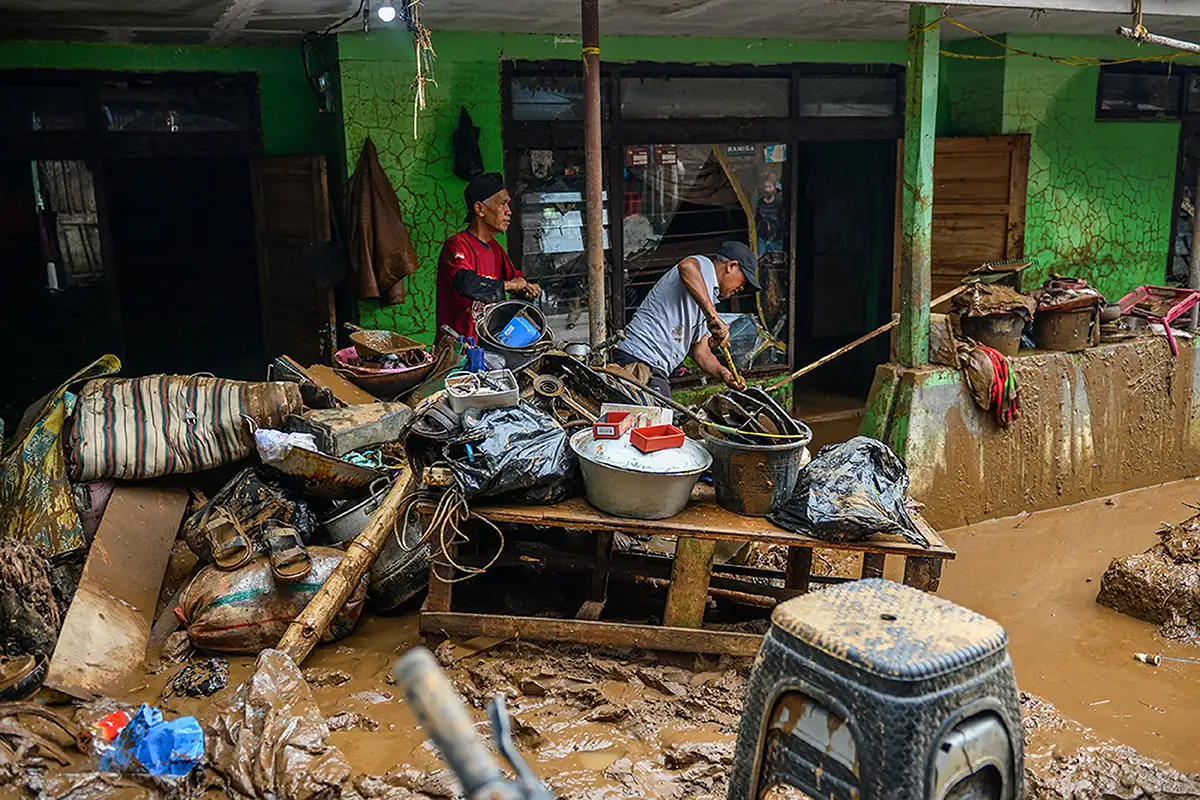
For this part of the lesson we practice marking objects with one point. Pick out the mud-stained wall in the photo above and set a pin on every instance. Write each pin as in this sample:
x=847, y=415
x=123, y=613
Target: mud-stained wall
x=1112, y=418
x=377, y=73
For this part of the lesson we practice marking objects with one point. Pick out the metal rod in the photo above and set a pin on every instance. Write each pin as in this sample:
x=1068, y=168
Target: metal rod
x=1161, y=41
x=593, y=172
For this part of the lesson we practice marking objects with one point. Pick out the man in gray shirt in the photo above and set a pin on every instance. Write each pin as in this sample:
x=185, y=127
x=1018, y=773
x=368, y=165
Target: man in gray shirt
x=679, y=316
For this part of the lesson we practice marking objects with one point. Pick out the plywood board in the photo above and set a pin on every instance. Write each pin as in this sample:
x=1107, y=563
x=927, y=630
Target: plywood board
x=104, y=636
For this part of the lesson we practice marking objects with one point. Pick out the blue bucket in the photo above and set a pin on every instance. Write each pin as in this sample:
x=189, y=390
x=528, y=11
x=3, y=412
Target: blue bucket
x=519, y=332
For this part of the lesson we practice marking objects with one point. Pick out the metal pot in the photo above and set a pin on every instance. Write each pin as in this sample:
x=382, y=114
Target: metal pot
x=580, y=350
x=622, y=481
x=350, y=519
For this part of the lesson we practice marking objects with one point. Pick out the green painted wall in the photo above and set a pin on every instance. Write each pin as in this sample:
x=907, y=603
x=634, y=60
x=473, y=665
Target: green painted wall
x=970, y=89
x=1100, y=193
x=377, y=72
x=290, y=121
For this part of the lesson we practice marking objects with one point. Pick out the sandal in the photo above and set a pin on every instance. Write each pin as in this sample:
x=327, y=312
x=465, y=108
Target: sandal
x=290, y=561
x=230, y=548
x=21, y=676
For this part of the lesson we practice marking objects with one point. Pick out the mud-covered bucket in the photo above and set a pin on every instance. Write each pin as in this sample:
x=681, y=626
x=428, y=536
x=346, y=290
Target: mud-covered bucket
x=751, y=479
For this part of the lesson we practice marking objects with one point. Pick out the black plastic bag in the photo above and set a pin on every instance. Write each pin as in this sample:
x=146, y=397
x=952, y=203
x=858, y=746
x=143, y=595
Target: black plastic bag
x=468, y=160
x=520, y=454
x=849, y=492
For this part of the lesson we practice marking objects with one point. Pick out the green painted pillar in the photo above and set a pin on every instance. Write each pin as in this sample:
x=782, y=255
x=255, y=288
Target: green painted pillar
x=920, y=119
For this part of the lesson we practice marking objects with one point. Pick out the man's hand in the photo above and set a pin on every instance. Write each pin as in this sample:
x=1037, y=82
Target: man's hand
x=731, y=381
x=516, y=286
x=719, y=331
x=532, y=290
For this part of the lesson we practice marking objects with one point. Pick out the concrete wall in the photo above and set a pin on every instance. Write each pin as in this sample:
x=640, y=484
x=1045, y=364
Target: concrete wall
x=1109, y=419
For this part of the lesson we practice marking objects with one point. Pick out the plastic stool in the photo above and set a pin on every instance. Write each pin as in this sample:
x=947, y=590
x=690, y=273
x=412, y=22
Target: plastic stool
x=875, y=690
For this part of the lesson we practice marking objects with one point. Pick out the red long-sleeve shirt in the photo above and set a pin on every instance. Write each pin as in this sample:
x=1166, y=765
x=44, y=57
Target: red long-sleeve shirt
x=465, y=251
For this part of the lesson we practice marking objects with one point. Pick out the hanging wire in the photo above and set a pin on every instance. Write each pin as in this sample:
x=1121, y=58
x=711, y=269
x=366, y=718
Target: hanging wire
x=309, y=40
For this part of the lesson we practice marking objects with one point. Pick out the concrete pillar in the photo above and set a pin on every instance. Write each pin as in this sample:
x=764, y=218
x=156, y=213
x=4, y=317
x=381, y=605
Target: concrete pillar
x=920, y=121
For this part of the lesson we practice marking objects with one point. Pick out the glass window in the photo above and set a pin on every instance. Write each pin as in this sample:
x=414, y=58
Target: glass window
x=848, y=96
x=553, y=233
x=1193, y=96
x=548, y=98
x=213, y=107
x=704, y=98
x=41, y=108
x=683, y=200
x=1132, y=93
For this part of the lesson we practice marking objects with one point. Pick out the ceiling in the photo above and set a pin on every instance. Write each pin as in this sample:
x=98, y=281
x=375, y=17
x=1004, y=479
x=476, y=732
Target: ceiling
x=225, y=21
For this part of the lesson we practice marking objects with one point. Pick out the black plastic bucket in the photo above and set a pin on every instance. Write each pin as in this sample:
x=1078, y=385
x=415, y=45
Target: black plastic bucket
x=752, y=479
x=493, y=320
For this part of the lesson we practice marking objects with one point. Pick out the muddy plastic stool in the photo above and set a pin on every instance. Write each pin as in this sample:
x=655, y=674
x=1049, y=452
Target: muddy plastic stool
x=875, y=690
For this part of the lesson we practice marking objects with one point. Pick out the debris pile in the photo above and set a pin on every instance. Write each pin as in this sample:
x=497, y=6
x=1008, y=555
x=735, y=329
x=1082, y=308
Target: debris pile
x=1162, y=584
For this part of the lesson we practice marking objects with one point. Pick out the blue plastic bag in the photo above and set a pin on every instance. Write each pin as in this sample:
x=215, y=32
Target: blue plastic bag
x=148, y=744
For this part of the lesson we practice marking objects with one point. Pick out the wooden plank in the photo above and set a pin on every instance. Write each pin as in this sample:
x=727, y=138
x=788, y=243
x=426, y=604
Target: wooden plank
x=688, y=596
x=873, y=564
x=799, y=568
x=342, y=389
x=701, y=519
x=104, y=636
x=923, y=573
x=603, y=634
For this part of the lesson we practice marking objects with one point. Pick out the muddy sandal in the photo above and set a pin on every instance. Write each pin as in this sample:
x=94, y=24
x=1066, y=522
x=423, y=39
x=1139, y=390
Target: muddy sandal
x=231, y=549
x=290, y=561
x=21, y=676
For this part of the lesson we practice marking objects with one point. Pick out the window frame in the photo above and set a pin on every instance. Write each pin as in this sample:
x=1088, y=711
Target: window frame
x=1127, y=115
x=618, y=132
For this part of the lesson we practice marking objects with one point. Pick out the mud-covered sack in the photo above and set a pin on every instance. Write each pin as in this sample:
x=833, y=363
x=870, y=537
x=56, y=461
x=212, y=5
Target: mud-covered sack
x=247, y=610
x=849, y=492
x=167, y=424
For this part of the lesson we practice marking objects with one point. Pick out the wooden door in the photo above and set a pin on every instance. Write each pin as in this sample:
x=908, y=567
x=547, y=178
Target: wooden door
x=291, y=209
x=979, y=193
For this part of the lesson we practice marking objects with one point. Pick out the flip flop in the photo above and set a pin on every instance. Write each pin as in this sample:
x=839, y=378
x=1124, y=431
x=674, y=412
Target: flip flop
x=290, y=561
x=21, y=676
x=231, y=549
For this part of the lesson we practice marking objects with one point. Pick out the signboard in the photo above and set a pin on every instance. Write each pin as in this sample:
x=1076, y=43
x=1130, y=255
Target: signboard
x=741, y=151
x=666, y=154
x=637, y=155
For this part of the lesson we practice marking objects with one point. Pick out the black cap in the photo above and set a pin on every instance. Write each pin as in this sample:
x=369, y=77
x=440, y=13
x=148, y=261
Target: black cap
x=744, y=256
x=483, y=187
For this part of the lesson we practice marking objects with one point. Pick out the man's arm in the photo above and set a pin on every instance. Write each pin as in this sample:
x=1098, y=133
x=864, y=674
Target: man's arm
x=474, y=286
x=689, y=272
x=708, y=362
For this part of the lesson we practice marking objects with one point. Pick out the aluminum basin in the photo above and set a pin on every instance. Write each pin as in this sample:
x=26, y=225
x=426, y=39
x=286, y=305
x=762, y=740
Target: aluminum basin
x=625, y=482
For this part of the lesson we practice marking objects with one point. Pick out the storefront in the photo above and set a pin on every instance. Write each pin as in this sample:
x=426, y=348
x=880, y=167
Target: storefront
x=799, y=159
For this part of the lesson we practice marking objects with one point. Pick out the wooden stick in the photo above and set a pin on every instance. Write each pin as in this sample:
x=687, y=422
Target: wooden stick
x=308, y=628
x=866, y=337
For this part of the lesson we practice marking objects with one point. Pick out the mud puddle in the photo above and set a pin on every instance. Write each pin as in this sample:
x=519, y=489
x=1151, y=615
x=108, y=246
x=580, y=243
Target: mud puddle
x=1038, y=575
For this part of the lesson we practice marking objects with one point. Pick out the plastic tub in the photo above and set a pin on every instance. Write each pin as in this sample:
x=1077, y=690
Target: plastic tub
x=998, y=331
x=752, y=479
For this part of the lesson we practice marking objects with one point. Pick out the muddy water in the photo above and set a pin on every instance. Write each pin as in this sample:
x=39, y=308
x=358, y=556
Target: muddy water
x=1038, y=575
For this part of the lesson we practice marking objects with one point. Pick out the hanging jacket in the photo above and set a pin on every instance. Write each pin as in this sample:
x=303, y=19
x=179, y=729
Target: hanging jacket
x=381, y=251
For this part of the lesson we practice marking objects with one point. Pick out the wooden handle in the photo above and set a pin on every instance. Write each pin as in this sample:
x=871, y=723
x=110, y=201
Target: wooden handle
x=308, y=628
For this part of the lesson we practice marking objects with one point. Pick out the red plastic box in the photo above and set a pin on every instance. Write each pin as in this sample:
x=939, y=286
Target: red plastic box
x=612, y=425
x=656, y=437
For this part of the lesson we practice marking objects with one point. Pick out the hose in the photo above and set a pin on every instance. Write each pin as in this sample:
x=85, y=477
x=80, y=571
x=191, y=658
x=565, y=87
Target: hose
x=450, y=511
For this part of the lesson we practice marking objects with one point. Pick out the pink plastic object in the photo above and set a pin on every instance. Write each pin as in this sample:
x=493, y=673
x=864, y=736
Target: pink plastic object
x=612, y=425
x=656, y=437
x=1167, y=304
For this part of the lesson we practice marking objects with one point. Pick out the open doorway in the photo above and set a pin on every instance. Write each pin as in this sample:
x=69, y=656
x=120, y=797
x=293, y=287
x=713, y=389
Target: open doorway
x=183, y=251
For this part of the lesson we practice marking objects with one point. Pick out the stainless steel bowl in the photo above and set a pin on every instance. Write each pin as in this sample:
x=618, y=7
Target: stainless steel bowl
x=622, y=481
x=580, y=350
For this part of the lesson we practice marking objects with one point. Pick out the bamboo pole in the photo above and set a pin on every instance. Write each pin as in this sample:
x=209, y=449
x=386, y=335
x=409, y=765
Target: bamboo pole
x=308, y=628
x=866, y=337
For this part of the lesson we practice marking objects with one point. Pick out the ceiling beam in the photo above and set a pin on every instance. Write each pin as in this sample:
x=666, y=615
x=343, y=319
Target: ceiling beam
x=1167, y=8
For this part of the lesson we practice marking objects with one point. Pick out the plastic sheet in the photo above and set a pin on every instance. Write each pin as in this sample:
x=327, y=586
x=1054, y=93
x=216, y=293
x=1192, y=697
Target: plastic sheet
x=273, y=741
x=521, y=454
x=849, y=492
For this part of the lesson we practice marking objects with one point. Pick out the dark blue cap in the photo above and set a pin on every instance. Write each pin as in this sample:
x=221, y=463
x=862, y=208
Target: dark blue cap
x=744, y=256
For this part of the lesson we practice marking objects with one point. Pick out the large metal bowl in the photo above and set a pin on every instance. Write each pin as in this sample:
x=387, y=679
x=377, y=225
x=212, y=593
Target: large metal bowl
x=625, y=482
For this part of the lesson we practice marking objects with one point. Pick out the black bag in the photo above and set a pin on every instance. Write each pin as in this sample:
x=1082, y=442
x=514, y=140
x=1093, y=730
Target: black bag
x=849, y=492
x=520, y=454
x=468, y=160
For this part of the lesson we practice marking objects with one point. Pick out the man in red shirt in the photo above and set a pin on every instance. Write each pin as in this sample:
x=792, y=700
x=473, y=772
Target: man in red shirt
x=473, y=268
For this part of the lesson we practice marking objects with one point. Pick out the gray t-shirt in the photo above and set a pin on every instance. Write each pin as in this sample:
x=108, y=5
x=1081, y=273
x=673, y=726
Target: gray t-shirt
x=669, y=321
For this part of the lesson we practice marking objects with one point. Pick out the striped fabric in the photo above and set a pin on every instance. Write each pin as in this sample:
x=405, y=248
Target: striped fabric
x=166, y=424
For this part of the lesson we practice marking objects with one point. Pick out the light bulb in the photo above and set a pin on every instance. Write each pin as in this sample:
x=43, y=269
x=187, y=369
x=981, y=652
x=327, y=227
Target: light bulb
x=386, y=12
